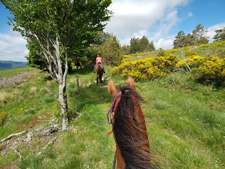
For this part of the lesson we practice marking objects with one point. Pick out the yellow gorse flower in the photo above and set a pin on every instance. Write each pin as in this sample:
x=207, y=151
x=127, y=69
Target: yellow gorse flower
x=147, y=68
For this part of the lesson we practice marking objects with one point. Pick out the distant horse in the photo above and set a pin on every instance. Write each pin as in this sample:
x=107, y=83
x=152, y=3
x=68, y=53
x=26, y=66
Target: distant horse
x=129, y=128
x=77, y=64
x=99, y=70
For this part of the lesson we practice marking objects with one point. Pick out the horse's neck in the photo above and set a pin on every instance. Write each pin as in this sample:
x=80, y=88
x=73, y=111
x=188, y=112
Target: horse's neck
x=120, y=162
x=140, y=118
x=143, y=144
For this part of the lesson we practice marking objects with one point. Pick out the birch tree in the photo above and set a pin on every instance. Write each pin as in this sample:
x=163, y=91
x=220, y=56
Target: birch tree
x=60, y=28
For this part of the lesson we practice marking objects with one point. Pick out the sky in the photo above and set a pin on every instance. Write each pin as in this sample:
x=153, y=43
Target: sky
x=158, y=20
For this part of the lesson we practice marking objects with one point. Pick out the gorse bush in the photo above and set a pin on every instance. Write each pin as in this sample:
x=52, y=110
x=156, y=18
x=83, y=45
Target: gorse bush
x=193, y=61
x=127, y=58
x=212, y=45
x=162, y=52
x=212, y=69
x=203, y=46
x=148, y=68
x=203, y=66
x=190, y=53
x=206, y=69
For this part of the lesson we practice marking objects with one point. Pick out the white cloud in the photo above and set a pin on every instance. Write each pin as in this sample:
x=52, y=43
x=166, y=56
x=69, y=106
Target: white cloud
x=13, y=46
x=190, y=14
x=165, y=43
x=135, y=18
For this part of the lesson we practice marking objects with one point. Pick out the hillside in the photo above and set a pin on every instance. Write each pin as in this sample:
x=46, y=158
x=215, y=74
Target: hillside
x=185, y=120
x=11, y=64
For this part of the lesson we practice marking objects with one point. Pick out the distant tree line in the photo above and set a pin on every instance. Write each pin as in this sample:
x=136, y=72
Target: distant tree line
x=111, y=50
x=197, y=37
x=140, y=45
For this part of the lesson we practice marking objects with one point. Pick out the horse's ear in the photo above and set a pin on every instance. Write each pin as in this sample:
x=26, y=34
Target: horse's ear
x=130, y=83
x=112, y=88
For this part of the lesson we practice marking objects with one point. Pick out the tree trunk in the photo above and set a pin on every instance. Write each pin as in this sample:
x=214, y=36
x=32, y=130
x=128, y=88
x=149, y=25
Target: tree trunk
x=58, y=69
x=78, y=90
x=64, y=106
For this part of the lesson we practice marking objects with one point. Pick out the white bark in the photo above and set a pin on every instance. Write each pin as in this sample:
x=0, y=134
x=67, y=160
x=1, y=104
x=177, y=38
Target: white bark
x=49, y=143
x=17, y=152
x=62, y=84
x=64, y=108
x=13, y=135
x=189, y=69
x=51, y=93
x=57, y=72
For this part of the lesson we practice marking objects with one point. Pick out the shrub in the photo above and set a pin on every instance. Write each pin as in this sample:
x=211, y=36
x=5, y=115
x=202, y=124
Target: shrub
x=172, y=50
x=148, y=68
x=193, y=61
x=203, y=46
x=190, y=53
x=205, y=69
x=212, y=69
x=218, y=44
x=161, y=52
x=127, y=58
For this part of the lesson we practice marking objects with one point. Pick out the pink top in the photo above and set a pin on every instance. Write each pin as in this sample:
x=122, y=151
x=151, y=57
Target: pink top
x=98, y=59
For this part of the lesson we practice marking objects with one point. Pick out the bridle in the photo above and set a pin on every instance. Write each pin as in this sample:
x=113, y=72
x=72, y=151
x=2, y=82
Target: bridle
x=110, y=114
x=112, y=110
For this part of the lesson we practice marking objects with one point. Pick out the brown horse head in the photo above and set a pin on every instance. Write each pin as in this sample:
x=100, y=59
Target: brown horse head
x=129, y=128
x=99, y=69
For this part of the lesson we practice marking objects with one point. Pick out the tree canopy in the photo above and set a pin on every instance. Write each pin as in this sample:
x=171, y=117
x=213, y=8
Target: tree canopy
x=220, y=34
x=141, y=45
x=111, y=51
x=197, y=37
x=199, y=34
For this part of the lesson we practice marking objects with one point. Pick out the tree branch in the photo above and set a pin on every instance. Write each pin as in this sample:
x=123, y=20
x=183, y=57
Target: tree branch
x=49, y=56
x=51, y=93
x=189, y=69
x=17, y=152
x=49, y=143
x=13, y=135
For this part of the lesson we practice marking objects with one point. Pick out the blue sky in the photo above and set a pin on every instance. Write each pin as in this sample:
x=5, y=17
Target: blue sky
x=3, y=19
x=159, y=20
x=207, y=12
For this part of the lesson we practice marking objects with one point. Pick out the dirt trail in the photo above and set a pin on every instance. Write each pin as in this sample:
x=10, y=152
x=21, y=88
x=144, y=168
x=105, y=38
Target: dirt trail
x=15, y=79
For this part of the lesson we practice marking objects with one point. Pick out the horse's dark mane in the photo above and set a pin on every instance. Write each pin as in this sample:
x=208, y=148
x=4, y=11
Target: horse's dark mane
x=129, y=136
x=99, y=67
x=100, y=70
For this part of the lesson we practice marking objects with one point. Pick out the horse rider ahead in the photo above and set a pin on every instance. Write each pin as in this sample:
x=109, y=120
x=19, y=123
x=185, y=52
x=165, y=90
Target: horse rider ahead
x=99, y=61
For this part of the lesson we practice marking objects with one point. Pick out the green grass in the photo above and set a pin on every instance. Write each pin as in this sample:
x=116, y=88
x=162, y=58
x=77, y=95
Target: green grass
x=194, y=130
x=185, y=122
x=12, y=72
x=8, y=158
